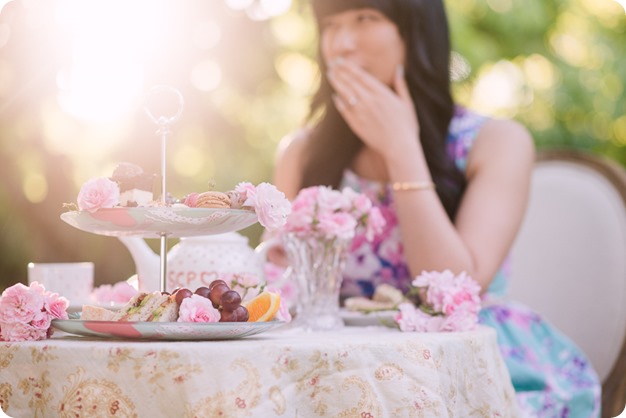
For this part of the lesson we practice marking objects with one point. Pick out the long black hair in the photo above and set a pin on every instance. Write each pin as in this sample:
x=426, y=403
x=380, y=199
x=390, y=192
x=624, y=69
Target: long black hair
x=423, y=26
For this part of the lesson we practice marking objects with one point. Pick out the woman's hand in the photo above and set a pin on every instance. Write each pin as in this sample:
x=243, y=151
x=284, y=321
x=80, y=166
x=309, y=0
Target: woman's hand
x=383, y=117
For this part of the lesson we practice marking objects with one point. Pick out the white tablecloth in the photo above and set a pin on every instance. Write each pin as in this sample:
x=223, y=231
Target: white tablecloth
x=361, y=372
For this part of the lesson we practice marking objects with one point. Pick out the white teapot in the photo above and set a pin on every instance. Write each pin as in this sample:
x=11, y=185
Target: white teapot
x=196, y=261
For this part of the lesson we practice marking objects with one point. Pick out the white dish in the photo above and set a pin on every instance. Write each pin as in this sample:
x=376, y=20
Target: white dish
x=151, y=222
x=78, y=307
x=364, y=319
x=164, y=330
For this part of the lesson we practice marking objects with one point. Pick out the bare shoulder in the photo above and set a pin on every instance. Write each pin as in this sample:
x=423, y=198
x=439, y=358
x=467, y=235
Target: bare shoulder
x=289, y=162
x=502, y=142
x=292, y=145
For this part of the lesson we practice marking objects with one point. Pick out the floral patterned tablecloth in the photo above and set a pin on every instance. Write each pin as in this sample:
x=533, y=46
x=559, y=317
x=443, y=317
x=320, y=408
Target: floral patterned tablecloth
x=361, y=372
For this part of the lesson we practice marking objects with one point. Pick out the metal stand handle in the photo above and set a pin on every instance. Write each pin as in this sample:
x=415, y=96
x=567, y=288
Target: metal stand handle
x=164, y=124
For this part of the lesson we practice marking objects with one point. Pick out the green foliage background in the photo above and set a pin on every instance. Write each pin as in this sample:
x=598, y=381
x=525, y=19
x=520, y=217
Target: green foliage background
x=557, y=67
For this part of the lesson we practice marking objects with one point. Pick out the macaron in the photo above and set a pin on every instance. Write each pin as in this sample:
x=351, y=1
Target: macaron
x=213, y=199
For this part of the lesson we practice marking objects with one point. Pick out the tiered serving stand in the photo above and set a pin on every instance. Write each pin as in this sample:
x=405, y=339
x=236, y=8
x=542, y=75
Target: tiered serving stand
x=161, y=222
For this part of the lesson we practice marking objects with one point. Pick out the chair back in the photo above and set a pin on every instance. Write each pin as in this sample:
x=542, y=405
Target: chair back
x=569, y=259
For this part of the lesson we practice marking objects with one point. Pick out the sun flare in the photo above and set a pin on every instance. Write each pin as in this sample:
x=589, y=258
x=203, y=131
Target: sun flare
x=109, y=47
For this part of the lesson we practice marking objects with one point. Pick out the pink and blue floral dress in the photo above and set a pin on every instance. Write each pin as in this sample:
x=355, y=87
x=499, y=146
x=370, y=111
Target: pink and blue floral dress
x=552, y=377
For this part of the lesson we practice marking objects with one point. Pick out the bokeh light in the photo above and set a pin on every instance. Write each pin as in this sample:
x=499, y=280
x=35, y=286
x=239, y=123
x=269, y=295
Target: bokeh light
x=499, y=89
x=206, y=75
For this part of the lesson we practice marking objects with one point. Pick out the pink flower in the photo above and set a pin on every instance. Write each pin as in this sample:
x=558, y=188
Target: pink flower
x=325, y=213
x=337, y=225
x=270, y=205
x=120, y=292
x=56, y=306
x=26, y=313
x=19, y=331
x=20, y=304
x=375, y=223
x=98, y=193
x=198, y=309
x=449, y=303
x=245, y=190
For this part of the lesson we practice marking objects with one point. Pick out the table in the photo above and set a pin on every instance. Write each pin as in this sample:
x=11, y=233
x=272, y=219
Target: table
x=361, y=372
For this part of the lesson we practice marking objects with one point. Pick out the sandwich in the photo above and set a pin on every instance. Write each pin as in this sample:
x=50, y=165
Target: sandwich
x=155, y=307
x=96, y=313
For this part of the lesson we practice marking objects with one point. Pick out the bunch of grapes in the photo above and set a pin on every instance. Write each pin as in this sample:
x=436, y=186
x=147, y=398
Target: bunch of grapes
x=227, y=301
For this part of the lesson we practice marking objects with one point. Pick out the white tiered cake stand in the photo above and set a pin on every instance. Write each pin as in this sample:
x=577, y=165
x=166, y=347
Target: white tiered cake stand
x=165, y=220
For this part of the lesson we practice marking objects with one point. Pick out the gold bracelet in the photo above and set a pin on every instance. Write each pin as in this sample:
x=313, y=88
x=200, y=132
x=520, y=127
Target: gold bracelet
x=402, y=186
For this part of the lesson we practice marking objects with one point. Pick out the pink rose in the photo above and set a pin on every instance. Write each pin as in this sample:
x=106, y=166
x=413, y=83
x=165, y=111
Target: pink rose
x=270, y=205
x=98, y=193
x=198, y=309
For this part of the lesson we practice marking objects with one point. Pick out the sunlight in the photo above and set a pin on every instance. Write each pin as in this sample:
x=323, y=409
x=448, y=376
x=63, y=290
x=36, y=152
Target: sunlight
x=108, y=51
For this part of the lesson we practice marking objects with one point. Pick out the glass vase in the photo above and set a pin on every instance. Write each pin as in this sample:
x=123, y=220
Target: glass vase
x=317, y=269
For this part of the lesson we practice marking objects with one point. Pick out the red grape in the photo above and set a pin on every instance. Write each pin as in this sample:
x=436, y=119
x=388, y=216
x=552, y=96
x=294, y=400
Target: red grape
x=242, y=313
x=215, y=295
x=216, y=282
x=227, y=316
x=230, y=300
x=203, y=291
x=182, y=294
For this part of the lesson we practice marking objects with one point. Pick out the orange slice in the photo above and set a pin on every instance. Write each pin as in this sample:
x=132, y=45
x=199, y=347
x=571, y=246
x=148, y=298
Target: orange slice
x=263, y=307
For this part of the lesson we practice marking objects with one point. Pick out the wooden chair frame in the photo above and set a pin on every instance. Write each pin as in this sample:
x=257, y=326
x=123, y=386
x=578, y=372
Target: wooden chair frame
x=614, y=386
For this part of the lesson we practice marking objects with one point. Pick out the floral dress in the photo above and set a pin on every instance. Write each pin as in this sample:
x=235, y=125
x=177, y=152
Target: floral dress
x=551, y=376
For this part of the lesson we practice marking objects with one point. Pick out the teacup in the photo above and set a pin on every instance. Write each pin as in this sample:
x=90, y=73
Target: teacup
x=73, y=281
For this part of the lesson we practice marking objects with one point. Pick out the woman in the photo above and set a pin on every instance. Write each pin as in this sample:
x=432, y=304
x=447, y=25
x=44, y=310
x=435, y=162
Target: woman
x=452, y=185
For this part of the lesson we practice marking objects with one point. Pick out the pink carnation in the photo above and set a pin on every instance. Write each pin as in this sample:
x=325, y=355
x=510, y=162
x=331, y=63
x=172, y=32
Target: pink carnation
x=270, y=205
x=56, y=306
x=198, y=309
x=20, y=304
x=449, y=303
x=246, y=190
x=324, y=213
x=19, y=331
x=120, y=292
x=26, y=313
x=98, y=193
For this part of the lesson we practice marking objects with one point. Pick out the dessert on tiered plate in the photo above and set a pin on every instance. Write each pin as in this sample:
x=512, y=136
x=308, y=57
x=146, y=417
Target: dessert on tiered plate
x=128, y=203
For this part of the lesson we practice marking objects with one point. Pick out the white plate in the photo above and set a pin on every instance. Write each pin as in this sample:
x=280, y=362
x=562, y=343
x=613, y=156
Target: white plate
x=78, y=307
x=364, y=319
x=164, y=330
x=151, y=222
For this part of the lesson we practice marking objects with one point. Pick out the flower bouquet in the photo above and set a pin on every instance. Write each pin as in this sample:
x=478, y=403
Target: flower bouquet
x=448, y=303
x=317, y=235
x=26, y=313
